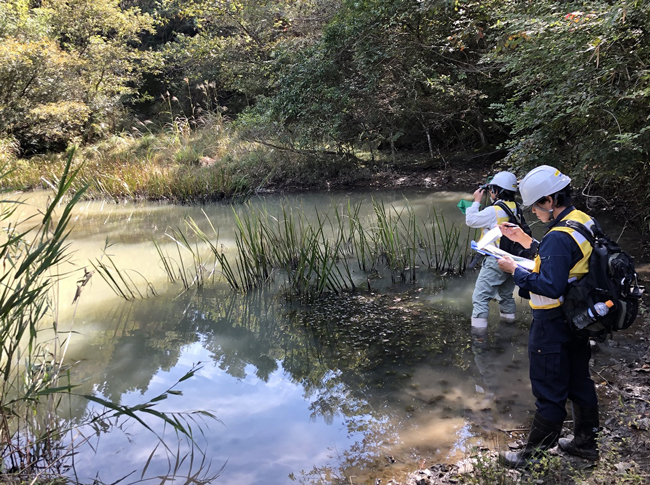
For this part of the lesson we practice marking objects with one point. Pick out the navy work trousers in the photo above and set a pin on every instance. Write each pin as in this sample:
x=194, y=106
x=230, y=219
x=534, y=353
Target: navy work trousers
x=559, y=367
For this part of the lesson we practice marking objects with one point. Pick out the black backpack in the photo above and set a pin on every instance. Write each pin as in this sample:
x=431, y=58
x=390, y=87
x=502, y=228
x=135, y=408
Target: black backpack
x=611, y=277
x=515, y=218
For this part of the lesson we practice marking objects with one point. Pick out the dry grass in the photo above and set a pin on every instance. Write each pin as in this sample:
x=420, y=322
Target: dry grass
x=177, y=164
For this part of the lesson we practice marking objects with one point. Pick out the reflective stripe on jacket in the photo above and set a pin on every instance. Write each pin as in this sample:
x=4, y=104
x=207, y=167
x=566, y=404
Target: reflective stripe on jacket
x=581, y=268
x=502, y=216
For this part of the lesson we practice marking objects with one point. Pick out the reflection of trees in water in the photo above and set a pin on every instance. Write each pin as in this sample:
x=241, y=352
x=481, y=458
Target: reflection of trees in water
x=352, y=354
x=364, y=341
x=139, y=339
x=370, y=346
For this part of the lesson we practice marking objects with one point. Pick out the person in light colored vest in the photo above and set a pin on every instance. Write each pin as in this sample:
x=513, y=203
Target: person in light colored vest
x=559, y=360
x=492, y=282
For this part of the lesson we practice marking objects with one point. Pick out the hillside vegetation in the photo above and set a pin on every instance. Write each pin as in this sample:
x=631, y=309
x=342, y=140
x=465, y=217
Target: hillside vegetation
x=193, y=100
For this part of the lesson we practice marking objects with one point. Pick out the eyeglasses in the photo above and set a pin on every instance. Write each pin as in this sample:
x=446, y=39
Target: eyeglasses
x=541, y=201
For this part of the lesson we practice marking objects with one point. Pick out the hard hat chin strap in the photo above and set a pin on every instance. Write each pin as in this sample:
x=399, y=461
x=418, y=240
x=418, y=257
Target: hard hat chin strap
x=549, y=211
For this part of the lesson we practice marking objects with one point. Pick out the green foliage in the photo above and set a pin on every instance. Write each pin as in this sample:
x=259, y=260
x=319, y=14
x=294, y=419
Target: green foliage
x=16, y=20
x=579, y=81
x=564, y=83
x=232, y=43
x=40, y=90
x=380, y=74
x=65, y=67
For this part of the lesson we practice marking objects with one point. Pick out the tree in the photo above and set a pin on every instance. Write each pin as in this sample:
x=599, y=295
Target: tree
x=580, y=81
x=66, y=68
x=233, y=43
x=386, y=71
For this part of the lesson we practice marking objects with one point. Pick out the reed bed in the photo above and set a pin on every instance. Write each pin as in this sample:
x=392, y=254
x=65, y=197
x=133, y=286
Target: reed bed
x=176, y=164
x=178, y=161
x=337, y=251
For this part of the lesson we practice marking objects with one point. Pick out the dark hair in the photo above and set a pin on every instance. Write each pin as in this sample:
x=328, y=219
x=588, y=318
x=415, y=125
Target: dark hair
x=563, y=197
x=504, y=194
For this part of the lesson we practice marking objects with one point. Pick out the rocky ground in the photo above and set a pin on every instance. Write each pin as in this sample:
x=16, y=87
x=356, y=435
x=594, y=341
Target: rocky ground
x=623, y=383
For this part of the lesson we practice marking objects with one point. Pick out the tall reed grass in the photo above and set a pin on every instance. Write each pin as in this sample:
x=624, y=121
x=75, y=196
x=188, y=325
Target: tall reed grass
x=339, y=250
x=189, y=153
x=35, y=377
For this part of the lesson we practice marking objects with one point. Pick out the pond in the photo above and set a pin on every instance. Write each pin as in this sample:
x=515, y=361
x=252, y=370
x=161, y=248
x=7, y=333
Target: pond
x=346, y=388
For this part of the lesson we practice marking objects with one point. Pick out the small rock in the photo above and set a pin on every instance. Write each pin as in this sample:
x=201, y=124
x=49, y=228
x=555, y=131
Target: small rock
x=515, y=445
x=623, y=467
x=465, y=468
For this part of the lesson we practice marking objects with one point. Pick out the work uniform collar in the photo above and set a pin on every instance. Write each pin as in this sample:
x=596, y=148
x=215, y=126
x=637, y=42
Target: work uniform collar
x=559, y=217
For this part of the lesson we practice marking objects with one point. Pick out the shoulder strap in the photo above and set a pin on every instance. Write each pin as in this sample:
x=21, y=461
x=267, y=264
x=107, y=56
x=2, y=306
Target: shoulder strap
x=507, y=210
x=578, y=226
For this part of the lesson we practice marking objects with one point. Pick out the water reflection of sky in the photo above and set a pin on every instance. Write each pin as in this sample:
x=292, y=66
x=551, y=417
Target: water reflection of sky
x=294, y=420
x=266, y=432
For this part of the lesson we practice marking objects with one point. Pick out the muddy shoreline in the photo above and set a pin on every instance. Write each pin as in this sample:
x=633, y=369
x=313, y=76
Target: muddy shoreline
x=623, y=386
x=622, y=383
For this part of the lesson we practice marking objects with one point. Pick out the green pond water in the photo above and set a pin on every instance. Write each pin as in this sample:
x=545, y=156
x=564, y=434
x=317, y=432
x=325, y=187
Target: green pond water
x=343, y=389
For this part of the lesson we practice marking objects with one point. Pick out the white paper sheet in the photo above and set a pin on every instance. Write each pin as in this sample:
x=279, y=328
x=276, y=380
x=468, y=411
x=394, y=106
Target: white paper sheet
x=490, y=236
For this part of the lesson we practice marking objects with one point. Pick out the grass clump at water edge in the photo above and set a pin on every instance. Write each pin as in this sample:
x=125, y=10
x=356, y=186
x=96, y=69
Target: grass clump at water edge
x=339, y=250
x=181, y=160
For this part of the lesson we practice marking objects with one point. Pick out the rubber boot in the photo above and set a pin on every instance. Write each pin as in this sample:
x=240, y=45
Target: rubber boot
x=543, y=435
x=507, y=317
x=585, y=431
x=479, y=323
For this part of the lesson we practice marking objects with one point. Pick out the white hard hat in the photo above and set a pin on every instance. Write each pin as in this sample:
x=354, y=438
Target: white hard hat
x=505, y=180
x=540, y=182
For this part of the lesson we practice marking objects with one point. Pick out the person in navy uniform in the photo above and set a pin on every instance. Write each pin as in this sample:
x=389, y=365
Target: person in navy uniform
x=559, y=360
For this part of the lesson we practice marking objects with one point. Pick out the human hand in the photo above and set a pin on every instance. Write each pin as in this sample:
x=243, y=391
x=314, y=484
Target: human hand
x=507, y=265
x=516, y=234
x=478, y=194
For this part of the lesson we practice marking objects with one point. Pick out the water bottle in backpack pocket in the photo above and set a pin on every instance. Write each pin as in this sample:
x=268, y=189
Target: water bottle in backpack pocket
x=612, y=277
x=581, y=320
